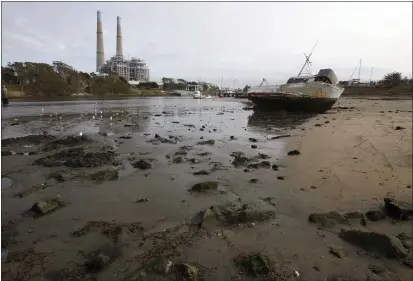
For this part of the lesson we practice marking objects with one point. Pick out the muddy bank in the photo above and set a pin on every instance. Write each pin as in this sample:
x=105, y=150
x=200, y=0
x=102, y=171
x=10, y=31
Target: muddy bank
x=145, y=194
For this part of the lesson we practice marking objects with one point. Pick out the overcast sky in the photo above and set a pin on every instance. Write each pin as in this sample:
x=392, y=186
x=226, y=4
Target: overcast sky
x=242, y=41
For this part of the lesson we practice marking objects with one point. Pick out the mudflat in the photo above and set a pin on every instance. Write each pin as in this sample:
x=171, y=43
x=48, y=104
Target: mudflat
x=183, y=189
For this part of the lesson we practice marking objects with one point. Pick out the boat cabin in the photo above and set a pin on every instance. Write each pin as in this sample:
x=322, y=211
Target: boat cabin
x=324, y=75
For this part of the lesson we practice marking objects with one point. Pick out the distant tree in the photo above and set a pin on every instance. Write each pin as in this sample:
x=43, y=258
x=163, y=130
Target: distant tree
x=205, y=87
x=181, y=81
x=392, y=79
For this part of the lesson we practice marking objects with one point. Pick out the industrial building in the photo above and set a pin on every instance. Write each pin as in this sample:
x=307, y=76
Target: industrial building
x=131, y=70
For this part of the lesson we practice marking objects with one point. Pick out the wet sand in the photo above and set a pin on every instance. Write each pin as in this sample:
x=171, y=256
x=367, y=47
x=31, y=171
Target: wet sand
x=351, y=158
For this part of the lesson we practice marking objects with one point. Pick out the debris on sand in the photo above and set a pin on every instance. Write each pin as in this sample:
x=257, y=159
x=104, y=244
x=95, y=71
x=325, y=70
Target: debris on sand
x=27, y=140
x=338, y=251
x=253, y=146
x=158, y=139
x=280, y=137
x=99, y=259
x=76, y=158
x=207, y=142
x=231, y=214
x=205, y=186
x=189, y=125
x=109, y=174
x=329, y=219
x=110, y=230
x=262, y=164
x=201, y=172
x=178, y=160
x=399, y=128
x=47, y=206
x=125, y=137
x=274, y=167
x=377, y=268
x=186, y=271
x=376, y=243
x=181, y=152
x=375, y=215
x=142, y=200
x=253, y=181
x=66, y=142
x=254, y=264
x=57, y=176
x=131, y=125
x=240, y=159
x=142, y=164
x=252, y=140
x=397, y=209
x=294, y=152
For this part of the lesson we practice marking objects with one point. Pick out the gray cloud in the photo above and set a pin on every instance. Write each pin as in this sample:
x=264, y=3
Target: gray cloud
x=242, y=41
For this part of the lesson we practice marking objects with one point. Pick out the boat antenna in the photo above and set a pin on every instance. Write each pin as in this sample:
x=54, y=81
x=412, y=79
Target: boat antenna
x=307, y=61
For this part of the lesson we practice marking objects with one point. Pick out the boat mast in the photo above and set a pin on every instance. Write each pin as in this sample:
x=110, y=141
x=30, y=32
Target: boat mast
x=359, y=70
x=307, y=59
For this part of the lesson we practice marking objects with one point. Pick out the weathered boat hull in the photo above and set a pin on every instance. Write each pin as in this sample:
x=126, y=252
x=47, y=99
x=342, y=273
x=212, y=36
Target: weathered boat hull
x=292, y=103
x=312, y=97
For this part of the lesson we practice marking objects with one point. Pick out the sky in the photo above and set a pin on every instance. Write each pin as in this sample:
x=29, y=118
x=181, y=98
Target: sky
x=241, y=42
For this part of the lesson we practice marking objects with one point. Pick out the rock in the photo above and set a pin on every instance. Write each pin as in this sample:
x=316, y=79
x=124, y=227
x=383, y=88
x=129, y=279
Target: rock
x=377, y=268
x=313, y=187
x=201, y=172
x=327, y=122
x=109, y=174
x=317, y=125
x=131, y=125
x=142, y=164
x=263, y=164
x=280, y=178
x=47, y=206
x=253, y=146
x=208, y=142
x=408, y=262
x=294, y=152
x=189, y=125
x=210, y=218
x=398, y=210
x=175, y=122
x=246, y=170
x=363, y=221
x=406, y=240
x=204, y=154
x=188, y=271
x=338, y=251
x=178, y=160
x=231, y=137
x=254, y=264
x=353, y=215
x=376, y=243
x=142, y=200
x=205, y=186
x=158, y=265
x=329, y=219
x=125, y=137
x=181, y=152
x=99, y=259
x=375, y=215
x=252, y=140
x=240, y=159
x=399, y=128
x=194, y=161
x=263, y=156
x=274, y=167
x=253, y=181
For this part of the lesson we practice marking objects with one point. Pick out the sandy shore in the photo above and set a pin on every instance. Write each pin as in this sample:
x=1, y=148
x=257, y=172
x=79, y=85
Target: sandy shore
x=133, y=215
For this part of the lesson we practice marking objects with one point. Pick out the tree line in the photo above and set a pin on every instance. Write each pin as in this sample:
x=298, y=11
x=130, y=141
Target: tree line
x=59, y=79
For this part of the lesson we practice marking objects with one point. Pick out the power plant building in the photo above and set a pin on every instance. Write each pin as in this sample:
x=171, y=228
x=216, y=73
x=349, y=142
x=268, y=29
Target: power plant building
x=131, y=70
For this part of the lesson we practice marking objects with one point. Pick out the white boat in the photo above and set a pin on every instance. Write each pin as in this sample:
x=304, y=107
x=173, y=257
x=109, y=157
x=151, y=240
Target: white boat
x=199, y=95
x=316, y=93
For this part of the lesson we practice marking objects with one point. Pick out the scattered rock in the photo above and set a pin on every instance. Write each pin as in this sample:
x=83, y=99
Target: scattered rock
x=280, y=178
x=201, y=172
x=175, y=122
x=294, y=152
x=208, y=142
x=194, y=161
x=181, y=152
x=109, y=174
x=317, y=125
x=338, y=251
x=205, y=186
x=263, y=156
x=274, y=167
x=329, y=219
x=376, y=243
x=398, y=210
x=262, y=164
x=246, y=170
x=125, y=137
x=253, y=146
x=253, y=181
x=142, y=164
x=252, y=140
x=231, y=137
x=158, y=265
x=313, y=187
x=327, y=122
x=399, y=128
x=131, y=125
x=47, y=206
x=189, y=125
x=142, y=200
x=406, y=240
x=375, y=215
x=377, y=268
x=187, y=271
x=57, y=177
x=204, y=154
x=178, y=160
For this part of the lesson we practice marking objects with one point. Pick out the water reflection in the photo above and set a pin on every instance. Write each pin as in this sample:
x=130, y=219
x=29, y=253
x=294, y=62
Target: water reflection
x=277, y=119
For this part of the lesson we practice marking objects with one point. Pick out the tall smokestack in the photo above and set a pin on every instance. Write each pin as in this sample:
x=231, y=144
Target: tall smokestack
x=119, y=48
x=100, y=53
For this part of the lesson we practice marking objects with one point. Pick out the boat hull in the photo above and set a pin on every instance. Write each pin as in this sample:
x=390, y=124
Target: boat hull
x=311, y=97
x=291, y=103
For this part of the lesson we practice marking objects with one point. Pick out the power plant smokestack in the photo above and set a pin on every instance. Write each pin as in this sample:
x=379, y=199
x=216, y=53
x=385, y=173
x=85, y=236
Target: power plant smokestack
x=100, y=54
x=119, y=48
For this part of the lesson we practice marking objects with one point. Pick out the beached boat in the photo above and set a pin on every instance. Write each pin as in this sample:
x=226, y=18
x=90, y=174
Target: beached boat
x=315, y=93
